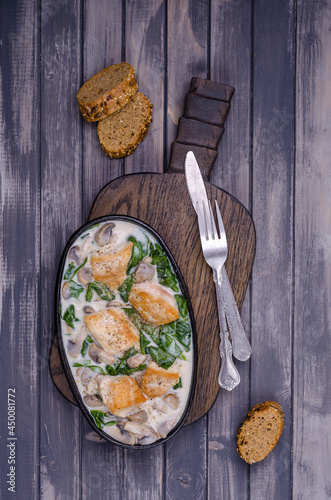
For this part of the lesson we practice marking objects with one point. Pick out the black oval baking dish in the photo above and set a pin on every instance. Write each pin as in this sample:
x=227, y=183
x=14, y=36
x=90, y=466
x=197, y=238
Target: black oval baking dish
x=63, y=355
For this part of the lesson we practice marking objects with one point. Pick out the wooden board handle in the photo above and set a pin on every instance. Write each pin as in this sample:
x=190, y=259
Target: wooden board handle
x=201, y=127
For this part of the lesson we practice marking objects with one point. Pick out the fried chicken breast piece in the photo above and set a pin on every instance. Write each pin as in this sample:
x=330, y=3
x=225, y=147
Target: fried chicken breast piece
x=112, y=329
x=119, y=394
x=157, y=381
x=155, y=304
x=109, y=264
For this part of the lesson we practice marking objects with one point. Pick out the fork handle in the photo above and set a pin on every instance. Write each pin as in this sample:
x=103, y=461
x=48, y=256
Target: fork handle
x=240, y=345
x=228, y=377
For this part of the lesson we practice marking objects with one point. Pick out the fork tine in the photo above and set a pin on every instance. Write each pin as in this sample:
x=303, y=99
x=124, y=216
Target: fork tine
x=215, y=234
x=208, y=221
x=202, y=228
x=220, y=221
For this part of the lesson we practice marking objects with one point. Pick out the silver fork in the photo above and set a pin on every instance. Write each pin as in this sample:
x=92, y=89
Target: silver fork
x=215, y=251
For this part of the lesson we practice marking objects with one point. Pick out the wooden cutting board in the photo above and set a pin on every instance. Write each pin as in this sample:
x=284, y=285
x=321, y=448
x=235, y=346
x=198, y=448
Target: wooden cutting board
x=162, y=201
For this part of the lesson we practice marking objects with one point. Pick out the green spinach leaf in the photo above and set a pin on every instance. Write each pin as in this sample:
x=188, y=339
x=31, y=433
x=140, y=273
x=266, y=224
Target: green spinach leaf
x=139, y=252
x=179, y=384
x=75, y=289
x=69, y=271
x=182, y=306
x=125, y=288
x=102, y=290
x=161, y=357
x=69, y=316
x=164, y=271
x=85, y=345
x=183, y=333
x=101, y=418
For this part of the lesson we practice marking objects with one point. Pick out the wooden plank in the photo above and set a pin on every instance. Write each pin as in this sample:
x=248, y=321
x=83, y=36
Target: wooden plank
x=145, y=50
x=102, y=46
x=19, y=248
x=102, y=463
x=231, y=30
x=273, y=165
x=60, y=215
x=312, y=319
x=187, y=56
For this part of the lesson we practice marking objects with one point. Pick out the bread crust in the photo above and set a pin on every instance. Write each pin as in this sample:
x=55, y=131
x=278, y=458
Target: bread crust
x=254, y=441
x=110, y=101
x=131, y=146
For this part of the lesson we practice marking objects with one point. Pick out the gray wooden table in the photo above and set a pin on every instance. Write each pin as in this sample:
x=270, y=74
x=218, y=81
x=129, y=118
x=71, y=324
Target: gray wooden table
x=274, y=157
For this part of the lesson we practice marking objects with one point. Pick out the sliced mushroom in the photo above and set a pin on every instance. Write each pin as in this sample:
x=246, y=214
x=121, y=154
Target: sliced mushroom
x=66, y=291
x=140, y=417
x=126, y=437
x=136, y=360
x=172, y=401
x=114, y=303
x=144, y=433
x=86, y=376
x=85, y=275
x=160, y=406
x=88, y=310
x=144, y=272
x=91, y=386
x=138, y=376
x=165, y=427
x=99, y=355
x=75, y=346
x=93, y=401
x=74, y=254
x=103, y=236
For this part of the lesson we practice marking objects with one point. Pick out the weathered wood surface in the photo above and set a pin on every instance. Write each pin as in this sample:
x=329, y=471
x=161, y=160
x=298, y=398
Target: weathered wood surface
x=163, y=202
x=273, y=157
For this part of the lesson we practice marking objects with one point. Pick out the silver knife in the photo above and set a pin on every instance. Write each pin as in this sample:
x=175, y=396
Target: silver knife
x=197, y=191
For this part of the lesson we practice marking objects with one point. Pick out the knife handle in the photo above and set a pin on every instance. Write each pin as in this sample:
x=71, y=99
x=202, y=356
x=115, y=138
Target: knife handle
x=201, y=127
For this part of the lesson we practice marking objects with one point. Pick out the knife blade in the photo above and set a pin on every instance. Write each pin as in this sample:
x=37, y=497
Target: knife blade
x=198, y=195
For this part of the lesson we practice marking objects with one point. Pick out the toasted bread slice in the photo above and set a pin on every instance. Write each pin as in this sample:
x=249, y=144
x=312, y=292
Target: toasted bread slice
x=120, y=133
x=112, y=329
x=107, y=91
x=260, y=431
x=157, y=381
x=123, y=392
x=154, y=303
x=109, y=265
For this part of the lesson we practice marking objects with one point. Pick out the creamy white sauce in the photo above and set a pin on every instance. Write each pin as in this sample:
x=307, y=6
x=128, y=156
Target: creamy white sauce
x=157, y=410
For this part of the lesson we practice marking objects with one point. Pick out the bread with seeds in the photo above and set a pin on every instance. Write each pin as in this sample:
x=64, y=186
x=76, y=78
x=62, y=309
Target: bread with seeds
x=260, y=431
x=107, y=91
x=120, y=133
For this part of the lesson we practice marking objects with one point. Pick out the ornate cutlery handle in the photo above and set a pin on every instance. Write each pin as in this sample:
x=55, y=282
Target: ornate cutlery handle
x=228, y=377
x=240, y=345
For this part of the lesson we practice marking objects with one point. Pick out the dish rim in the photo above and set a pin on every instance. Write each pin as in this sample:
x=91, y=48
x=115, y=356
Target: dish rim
x=63, y=355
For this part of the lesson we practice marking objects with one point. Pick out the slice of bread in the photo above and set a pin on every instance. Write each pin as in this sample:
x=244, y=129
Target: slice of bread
x=260, y=431
x=120, y=133
x=107, y=91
